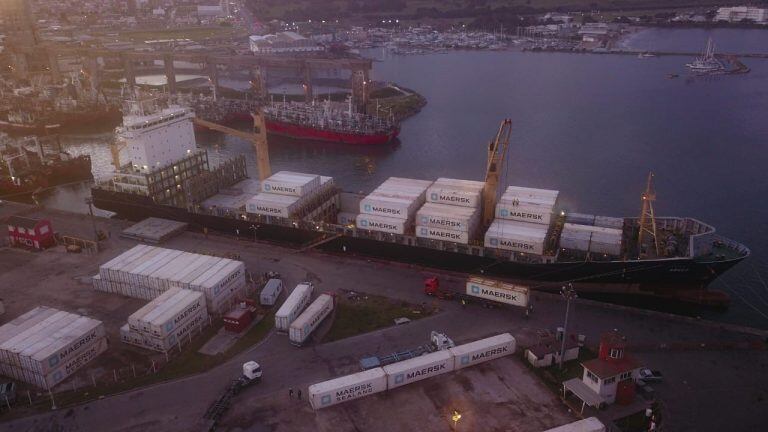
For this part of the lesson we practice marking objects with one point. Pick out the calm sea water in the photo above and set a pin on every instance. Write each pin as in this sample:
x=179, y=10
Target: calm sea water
x=591, y=126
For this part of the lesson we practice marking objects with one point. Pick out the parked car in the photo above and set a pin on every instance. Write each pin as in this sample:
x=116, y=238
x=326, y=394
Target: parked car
x=648, y=375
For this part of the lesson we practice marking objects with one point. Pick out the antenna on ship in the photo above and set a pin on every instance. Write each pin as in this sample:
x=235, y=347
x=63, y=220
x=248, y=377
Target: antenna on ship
x=647, y=217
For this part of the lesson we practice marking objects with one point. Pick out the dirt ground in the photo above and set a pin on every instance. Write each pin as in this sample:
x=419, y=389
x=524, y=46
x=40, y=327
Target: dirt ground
x=501, y=395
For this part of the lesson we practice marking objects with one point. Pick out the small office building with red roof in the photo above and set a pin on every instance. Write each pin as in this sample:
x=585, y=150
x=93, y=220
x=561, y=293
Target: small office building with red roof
x=29, y=233
x=609, y=378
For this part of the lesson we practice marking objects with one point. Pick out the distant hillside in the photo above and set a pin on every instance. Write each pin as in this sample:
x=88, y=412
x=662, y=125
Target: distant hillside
x=465, y=9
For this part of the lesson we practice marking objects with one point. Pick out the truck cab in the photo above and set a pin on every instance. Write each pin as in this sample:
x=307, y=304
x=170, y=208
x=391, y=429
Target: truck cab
x=252, y=371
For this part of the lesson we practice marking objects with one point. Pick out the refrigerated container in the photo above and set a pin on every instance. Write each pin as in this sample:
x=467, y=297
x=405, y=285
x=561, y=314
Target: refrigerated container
x=269, y=204
x=290, y=183
x=347, y=388
x=503, y=292
x=516, y=236
x=382, y=223
x=483, y=350
x=418, y=368
x=310, y=319
x=293, y=305
x=433, y=233
x=271, y=291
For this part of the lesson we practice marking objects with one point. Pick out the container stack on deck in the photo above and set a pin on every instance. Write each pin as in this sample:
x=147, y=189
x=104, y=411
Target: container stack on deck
x=392, y=206
x=587, y=238
x=451, y=212
x=169, y=321
x=285, y=193
x=45, y=346
x=146, y=272
x=523, y=216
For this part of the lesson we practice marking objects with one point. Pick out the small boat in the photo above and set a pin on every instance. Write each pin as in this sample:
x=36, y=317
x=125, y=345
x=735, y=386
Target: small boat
x=672, y=75
x=707, y=63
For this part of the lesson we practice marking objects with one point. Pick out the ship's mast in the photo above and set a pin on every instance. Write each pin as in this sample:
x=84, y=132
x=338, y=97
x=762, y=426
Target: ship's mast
x=497, y=151
x=648, y=217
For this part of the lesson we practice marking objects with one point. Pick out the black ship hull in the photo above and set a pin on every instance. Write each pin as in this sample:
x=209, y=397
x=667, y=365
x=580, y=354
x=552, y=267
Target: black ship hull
x=674, y=278
x=77, y=169
x=76, y=122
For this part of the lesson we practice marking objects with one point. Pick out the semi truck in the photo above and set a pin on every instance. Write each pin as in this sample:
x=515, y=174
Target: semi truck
x=437, y=342
x=251, y=375
x=487, y=292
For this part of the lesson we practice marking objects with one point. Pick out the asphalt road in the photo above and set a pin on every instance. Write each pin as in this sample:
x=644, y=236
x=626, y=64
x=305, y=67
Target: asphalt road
x=179, y=405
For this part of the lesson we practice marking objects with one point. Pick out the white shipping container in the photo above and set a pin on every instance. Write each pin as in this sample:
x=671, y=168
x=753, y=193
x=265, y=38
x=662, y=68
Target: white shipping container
x=290, y=183
x=12, y=347
x=66, y=344
x=382, y=223
x=515, y=295
x=524, y=213
x=589, y=238
x=483, y=350
x=310, y=319
x=77, y=361
x=293, y=305
x=178, y=338
x=376, y=205
x=526, y=193
x=516, y=236
x=273, y=205
x=609, y=222
x=455, y=197
x=461, y=237
x=448, y=217
x=167, y=312
x=347, y=388
x=418, y=368
x=590, y=424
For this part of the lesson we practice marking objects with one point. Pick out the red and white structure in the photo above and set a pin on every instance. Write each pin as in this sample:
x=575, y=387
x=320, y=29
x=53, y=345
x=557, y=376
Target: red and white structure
x=609, y=378
x=30, y=233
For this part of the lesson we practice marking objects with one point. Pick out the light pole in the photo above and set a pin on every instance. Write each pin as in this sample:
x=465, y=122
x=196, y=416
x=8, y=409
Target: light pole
x=89, y=201
x=254, y=228
x=456, y=416
x=569, y=294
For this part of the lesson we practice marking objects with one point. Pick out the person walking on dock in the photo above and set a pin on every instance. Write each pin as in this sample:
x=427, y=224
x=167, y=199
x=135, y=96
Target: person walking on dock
x=290, y=392
x=298, y=394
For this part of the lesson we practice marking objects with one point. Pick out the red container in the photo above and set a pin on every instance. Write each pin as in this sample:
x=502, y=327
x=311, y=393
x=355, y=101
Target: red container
x=237, y=320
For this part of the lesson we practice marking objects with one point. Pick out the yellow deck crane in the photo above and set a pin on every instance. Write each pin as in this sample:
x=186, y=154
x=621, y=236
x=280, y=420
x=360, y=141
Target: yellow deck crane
x=258, y=139
x=497, y=152
x=648, y=219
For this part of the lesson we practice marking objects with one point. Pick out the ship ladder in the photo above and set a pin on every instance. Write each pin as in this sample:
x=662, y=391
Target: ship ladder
x=317, y=243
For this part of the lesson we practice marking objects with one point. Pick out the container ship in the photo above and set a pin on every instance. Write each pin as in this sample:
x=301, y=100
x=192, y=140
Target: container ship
x=26, y=171
x=324, y=122
x=517, y=234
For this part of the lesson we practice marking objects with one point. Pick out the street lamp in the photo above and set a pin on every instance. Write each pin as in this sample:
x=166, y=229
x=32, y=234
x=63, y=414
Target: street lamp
x=89, y=201
x=456, y=416
x=254, y=228
x=569, y=294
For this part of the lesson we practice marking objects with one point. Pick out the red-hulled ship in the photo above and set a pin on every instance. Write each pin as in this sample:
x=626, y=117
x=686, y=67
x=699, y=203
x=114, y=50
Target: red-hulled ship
x=323, y=122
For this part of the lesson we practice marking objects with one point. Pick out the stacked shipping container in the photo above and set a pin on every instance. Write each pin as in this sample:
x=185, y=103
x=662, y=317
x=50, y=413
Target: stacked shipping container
x=146, y=272
x=391, y=207
x=588, y=238
x=523, y=216
x=395, y=375
x=452, y=211
x=168, y=321
x=45, y=346
x=285, y=193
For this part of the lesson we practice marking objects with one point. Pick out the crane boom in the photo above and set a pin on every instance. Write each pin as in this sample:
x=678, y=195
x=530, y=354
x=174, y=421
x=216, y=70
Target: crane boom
x=258, y=140
x=497, y=151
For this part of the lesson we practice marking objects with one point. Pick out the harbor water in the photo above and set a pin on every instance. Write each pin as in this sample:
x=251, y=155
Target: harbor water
x=591, y=126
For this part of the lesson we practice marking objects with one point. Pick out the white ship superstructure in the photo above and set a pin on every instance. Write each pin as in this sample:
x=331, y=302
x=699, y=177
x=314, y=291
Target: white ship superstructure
x=156, y=138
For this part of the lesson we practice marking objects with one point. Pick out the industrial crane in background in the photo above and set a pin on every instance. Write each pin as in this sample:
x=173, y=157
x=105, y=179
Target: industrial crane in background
x=258, y=139
x=648, y=219
x=497, y=152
